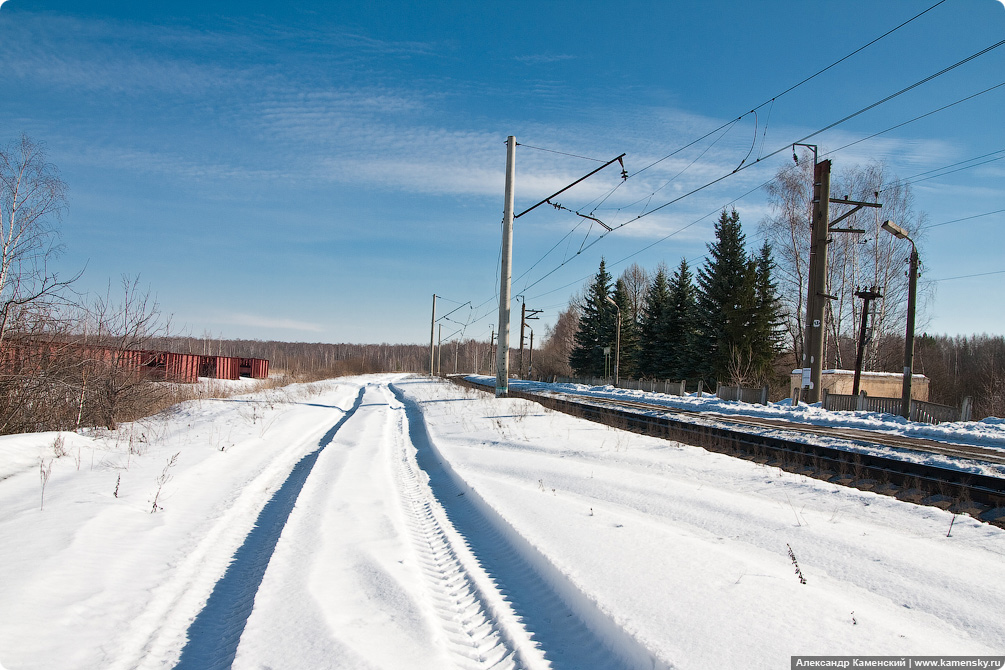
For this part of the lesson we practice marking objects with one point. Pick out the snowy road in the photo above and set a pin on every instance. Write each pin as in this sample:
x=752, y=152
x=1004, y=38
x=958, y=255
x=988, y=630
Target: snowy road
x=394, y=522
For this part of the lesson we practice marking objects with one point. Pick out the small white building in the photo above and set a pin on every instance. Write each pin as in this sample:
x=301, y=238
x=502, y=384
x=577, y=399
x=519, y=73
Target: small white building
x=875, y=384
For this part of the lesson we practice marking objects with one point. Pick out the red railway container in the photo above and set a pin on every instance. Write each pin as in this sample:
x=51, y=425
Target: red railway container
x=228, y=367
x=220, y=367
x=183, y=368
x=259, y=368
x=256, y=368
x=161, y=365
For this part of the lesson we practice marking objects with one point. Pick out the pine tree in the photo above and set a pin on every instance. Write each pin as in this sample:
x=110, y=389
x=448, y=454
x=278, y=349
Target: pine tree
x=651, y=359
x=596, y=327
x=724, y=311
x=681, y=327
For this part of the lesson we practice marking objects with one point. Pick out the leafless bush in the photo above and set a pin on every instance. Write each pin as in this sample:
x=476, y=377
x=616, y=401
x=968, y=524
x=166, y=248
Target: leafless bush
x=120, y=388
x=163, y=478
x=799, y=573
x=44, y=471
x=59, y=446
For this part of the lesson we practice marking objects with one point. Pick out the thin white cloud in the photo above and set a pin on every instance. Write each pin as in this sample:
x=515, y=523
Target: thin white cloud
x=259, y=321
x=545, y=58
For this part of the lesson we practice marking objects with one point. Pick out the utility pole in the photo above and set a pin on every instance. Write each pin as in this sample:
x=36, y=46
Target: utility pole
x=813, y=342
x=506, y=264
x=912, y=297
x=867, y=295
x=432, y=332
x=816, y=305
x=530, y=370
x=525, y=316
x=439, y=345
x=505, y=273
x=617, y=340
x=523, y=324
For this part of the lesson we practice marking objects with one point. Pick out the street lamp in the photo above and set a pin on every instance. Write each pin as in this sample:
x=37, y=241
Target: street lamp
x=617, y=341
x=912, y=290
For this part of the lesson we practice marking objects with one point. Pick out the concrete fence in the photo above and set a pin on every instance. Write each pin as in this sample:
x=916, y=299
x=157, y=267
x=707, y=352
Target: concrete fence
x=755, y=396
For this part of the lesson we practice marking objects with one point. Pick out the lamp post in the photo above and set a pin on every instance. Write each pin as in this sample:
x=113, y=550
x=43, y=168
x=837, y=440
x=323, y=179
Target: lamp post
x=617, y=341
x=912, y=290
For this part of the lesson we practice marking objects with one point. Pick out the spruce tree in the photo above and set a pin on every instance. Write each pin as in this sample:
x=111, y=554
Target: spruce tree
x=651, y=358
x=768, y=320
x=724, y=312
x=596, y=327
x=681, y=327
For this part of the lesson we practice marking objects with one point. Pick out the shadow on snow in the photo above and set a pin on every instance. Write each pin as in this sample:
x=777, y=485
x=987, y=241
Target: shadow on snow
x=215, y=633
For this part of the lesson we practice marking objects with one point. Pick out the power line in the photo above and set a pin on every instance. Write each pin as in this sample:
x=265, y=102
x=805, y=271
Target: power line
x=892, y=96
x=908, y=181
x=793, y=87
x=818, y=132
x=966, y=218
x=980, y=274
x=917, y=118
x=761, y=159
x=456, y=302
x=659, y=241
x=561, y=153
x=944, y=167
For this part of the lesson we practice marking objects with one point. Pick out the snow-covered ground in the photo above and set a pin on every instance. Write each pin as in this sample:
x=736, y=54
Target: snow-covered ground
x=399, y=522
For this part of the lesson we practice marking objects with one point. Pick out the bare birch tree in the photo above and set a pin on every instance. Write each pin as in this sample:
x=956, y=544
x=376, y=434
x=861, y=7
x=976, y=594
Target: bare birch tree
x=32, y=197
x=874, y=258
x=636, y=281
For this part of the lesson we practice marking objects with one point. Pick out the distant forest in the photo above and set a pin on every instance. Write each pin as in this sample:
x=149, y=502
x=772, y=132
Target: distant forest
x=957, y=366
x=318, y=360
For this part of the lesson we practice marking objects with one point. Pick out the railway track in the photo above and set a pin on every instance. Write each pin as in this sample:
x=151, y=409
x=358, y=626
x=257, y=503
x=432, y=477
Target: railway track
x=858, y=435
x=980, y=495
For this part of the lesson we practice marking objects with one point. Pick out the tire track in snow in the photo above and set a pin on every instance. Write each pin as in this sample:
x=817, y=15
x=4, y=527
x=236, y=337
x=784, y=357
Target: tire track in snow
x=566, y=625
x=214, y=635
x=473, y=625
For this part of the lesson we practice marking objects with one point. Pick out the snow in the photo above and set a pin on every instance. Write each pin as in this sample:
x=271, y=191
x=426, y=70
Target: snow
x=989, y=432
x=390, y=521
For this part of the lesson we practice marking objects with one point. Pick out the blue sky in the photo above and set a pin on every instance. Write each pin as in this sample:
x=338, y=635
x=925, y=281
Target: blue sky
x=316, y=171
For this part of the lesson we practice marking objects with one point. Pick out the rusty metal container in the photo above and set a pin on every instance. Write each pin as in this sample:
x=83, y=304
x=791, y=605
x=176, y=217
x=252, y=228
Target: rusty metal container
x=220, y=367
x=181, y=368
x=256, y=368
x=259, y=368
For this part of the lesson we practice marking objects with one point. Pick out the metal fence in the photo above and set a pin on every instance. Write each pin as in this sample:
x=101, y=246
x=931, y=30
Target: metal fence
x=925, y=412
x=651, y=385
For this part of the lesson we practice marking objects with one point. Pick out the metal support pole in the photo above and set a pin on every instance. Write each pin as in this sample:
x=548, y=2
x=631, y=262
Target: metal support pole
x=439, y=345
x=432, y=335
x=813, y=342
x=867, y=296
x=617, y=339
x=505, y=273
x=523, y=324
x=530, y=368
x=912, y=291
